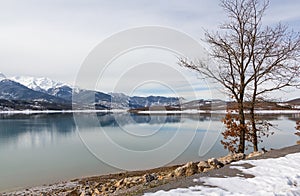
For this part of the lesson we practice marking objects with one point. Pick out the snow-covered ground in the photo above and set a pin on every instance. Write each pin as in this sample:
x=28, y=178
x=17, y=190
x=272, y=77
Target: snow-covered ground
x=276, y=176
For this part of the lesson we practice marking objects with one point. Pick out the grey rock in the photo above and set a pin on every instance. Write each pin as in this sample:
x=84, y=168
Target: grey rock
x=149, y=177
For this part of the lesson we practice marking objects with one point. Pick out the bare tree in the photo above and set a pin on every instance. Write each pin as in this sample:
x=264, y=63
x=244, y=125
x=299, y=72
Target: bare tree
x=250, y=60
x=274, y=65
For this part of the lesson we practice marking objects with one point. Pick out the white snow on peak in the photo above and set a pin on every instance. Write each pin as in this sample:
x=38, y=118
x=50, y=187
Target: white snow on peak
x=119, y=95
x=2, y=76
x=38, y=84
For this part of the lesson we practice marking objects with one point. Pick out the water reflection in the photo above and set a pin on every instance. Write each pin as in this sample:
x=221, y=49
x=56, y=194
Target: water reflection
x=37, y=127
x=41, y=148
x=34, y=130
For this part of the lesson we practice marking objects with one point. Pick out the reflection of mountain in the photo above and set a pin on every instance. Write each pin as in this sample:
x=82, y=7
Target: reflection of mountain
x=293, y=117
x=124, y=119
x=13, y=125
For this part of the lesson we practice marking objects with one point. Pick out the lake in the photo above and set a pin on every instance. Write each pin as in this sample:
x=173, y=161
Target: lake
x=40, y=149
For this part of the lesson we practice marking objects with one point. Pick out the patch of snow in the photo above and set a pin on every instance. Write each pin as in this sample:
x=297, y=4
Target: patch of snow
x=283, y=104
x=237, y=167
x=75, y=89
x=119, y=95
x=274, y=176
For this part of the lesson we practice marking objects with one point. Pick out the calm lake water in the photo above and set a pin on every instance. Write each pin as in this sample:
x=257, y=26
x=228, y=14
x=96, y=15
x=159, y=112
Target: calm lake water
x=40, y=149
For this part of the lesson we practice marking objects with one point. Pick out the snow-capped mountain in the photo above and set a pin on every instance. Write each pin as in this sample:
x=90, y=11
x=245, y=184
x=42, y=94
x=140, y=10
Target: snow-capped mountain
x=64, y=92
x=140, y=102
x=120, y=99
x=11, y=90
x=19, y=93
x=150, y=101
x=45, y=91
x=41, y=84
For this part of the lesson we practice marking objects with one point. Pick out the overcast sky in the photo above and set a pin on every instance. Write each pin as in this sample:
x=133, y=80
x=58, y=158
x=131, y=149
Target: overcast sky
x=52, y=38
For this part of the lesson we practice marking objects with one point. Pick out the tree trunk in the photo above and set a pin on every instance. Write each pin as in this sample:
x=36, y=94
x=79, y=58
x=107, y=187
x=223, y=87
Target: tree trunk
x=254, y=130
x=241, y=147
x=252, y=115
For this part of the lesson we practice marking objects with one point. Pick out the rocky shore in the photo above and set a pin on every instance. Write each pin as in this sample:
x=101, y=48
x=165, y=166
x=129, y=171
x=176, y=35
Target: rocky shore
x=131, y=183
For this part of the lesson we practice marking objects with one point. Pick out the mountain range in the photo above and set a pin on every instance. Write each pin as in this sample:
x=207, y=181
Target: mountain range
x=24, y=92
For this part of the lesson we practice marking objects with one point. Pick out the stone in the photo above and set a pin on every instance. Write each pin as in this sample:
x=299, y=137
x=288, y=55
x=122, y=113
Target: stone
x=160, y=177
x=97, y=184
x=226, y=160
x=120, y=183
x=187, y=170
x=72, y=193
x=137, y=179
x=171, y=175
x=179, y=171
x=88, y=192
x=96, y=191
x=254, y=154
x=231, y=157
x=129, y=185
x=149, y=177
x=214, y=163
x=104, y=188
x=238, y=156
x=202, y=165
x=141, y=180
x=82, y=193
x=112, y=189
x=207, y=169
x=191, y=168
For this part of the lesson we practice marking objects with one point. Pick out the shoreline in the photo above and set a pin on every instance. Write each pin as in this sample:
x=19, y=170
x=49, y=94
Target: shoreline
x=60, y=111
x=66, y=186
x=138, y=182
x=295, y=111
